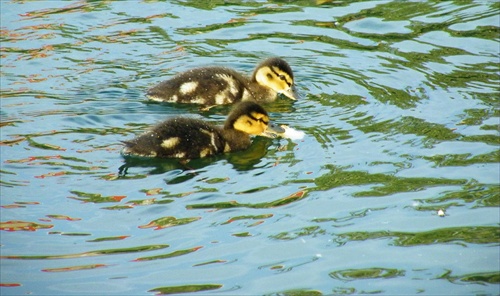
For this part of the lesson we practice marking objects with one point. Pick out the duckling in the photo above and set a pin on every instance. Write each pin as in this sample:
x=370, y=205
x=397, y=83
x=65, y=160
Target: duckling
x=191, y=138
x=220, y=85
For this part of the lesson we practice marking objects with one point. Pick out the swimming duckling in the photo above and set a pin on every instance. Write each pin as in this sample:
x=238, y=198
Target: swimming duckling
x=220, y=85
x=190, y=138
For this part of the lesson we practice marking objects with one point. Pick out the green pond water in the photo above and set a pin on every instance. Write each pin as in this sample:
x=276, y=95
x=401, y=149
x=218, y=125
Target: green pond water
x=393, y=190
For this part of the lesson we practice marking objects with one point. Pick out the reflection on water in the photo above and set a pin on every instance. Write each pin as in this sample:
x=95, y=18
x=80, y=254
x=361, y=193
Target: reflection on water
x=241, y=161
x=399, y=107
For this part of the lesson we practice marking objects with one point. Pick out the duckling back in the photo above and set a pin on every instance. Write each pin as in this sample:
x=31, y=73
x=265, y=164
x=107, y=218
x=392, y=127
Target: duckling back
x=178, y=138
x=206, y=86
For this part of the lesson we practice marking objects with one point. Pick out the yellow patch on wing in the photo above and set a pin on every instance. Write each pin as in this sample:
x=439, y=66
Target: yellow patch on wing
x=170, y=142
x=232, y=87
x=188, y=87
x=212, y=137
x=129, y=151
x=156, y=98
x=205, y=152
x=180, y=155
x=220, y=99
x=198, y=100
x=247, y=95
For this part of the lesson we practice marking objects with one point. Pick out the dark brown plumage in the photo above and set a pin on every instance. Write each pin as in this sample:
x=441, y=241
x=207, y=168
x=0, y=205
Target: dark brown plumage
x=220, y=85
x=190, y=138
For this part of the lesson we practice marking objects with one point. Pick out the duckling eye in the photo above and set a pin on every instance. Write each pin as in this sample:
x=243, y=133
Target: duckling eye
x=282, y=77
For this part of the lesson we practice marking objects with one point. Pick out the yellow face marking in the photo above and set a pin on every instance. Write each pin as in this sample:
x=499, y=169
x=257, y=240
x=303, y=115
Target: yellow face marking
x=274, y=78
x=260, y=117
x=253, y=123
x=283, y=76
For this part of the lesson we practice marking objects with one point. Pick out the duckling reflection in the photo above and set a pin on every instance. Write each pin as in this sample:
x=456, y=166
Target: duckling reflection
x=241, y=161
x=248, y=159
x=155, y=166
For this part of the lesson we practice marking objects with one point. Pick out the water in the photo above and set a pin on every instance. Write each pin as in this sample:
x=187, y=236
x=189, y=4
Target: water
x=400, y=111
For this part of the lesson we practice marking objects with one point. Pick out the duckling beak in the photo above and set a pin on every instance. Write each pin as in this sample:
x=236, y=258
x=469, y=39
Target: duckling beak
x=273, y=130
x=291, y=93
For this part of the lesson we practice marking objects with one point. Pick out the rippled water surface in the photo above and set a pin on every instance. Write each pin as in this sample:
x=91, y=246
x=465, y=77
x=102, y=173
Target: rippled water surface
x=399, y=107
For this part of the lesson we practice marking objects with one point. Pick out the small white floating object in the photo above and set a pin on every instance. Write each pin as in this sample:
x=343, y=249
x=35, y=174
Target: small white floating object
x=291, y=133
x=441, y=213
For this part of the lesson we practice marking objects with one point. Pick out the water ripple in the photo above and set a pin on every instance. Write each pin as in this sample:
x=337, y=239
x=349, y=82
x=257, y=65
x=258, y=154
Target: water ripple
x=399, y=161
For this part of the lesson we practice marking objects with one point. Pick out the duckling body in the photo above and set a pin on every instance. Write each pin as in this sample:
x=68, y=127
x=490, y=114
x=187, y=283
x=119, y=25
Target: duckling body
x=190, y=138
x=221, y=85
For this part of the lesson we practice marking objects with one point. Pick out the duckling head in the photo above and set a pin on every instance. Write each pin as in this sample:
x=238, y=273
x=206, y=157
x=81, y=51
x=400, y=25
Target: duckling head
x=250, y=118
x=276, y=74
